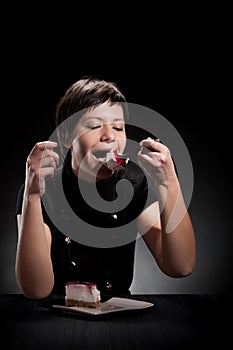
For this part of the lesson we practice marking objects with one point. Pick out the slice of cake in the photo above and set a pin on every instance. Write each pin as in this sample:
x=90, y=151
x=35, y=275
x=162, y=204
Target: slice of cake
x=115, y=161
x=82, y=294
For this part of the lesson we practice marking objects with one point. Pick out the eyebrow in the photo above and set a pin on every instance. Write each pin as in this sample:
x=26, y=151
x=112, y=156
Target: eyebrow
x=100, y=119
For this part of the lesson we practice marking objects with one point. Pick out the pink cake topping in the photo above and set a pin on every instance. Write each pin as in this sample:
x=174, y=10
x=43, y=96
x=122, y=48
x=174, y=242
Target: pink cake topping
x=115, y=161
x=76, y=283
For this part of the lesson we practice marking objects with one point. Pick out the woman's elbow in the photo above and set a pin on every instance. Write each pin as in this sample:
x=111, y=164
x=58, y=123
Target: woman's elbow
x=185, y=267
x=185, y=271
x=36, y=295
x=182, y=271
x=36, y=292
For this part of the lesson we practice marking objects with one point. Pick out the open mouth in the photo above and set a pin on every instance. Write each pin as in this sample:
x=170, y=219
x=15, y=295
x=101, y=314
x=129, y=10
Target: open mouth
x=100, y=155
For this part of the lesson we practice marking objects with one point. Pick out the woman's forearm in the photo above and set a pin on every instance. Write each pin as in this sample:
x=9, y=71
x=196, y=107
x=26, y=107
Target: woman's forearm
x=34, y=272
x=178, y=240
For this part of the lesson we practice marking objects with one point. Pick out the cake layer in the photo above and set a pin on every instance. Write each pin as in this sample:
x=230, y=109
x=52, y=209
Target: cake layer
x=72, y=302
x=82, y=294
x=115, y=161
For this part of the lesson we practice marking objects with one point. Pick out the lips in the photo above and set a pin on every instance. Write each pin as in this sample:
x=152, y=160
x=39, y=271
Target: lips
x=100, y=154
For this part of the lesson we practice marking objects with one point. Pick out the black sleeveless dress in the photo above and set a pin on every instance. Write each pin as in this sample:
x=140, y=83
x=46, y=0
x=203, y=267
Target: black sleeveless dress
x=109, y=261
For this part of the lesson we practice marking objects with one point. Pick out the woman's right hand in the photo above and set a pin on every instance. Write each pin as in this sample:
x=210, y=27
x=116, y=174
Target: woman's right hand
x=41, y=163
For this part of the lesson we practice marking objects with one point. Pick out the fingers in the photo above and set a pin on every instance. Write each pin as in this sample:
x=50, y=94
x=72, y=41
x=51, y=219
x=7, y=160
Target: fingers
x=42, y=161
x=49, y=157
x=151, y=144
x=41, y=146
x=43, y=152
x=155, y=158
x=153, y=149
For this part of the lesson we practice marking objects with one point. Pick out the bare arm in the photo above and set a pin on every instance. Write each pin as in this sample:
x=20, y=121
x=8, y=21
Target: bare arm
x=166, y=225
x=34, y=271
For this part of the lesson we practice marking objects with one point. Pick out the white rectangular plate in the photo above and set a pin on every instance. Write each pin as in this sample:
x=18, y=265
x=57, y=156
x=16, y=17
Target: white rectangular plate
x=112, y=305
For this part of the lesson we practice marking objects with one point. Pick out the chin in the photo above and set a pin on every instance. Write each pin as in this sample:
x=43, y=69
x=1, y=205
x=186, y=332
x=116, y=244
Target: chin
x=104, y=173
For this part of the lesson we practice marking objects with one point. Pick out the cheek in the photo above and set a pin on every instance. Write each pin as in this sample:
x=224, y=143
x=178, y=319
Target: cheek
x=79, y=148
x=122, y=142
x=82, y=144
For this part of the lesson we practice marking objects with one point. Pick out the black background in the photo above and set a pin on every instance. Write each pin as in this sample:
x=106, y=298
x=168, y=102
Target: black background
x=172, y=60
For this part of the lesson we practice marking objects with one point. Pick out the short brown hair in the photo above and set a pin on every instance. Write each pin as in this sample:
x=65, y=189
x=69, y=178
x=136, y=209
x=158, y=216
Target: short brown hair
x=86, y=93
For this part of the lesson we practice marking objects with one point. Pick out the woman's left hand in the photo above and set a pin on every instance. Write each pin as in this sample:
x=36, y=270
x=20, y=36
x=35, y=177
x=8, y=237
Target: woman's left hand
x=155, y=158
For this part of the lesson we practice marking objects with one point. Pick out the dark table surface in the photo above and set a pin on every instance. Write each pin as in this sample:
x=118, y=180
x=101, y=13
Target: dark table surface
x=176, y=321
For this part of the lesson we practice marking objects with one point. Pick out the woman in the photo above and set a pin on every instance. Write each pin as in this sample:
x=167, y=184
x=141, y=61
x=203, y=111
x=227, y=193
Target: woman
x=91, y=121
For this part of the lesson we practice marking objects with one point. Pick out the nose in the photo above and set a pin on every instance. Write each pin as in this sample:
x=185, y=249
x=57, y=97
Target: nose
x=108, y=133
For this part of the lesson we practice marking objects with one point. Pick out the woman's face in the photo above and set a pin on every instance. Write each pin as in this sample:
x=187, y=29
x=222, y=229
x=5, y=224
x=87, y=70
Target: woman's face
x=97, y=132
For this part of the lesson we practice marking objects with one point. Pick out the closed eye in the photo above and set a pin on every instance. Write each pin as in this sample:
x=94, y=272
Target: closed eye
x=92, y=127
x=117, y=128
